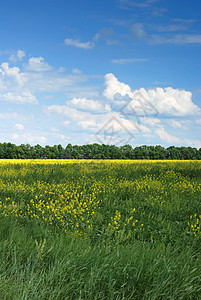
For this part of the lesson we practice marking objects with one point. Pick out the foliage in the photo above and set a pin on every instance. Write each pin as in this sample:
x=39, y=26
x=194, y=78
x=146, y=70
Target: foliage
x=97, y=151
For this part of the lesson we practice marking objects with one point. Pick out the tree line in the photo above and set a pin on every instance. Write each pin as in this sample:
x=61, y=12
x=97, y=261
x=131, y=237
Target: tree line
x=96, y=151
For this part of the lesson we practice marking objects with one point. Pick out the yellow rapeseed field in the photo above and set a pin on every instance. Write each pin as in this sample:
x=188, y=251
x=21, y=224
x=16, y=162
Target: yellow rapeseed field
x=112, y=197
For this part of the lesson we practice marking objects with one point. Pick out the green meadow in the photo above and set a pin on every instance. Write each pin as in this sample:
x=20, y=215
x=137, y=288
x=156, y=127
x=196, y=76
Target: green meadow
x=95, y=229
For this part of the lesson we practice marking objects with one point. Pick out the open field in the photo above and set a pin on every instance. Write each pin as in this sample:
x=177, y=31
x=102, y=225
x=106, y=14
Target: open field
x=94, y=229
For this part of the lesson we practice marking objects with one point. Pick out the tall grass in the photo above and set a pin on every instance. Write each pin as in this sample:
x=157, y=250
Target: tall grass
x=159, y=260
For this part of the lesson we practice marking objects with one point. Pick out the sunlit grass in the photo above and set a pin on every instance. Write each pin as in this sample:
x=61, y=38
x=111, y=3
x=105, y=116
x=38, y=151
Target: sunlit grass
x=112, y=207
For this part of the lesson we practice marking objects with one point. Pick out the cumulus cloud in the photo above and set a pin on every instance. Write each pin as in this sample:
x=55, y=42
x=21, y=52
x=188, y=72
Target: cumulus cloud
x=52, y=81
x=71, y=115
x=12, y=87
x=87, y=124
x=173, y=102
x=17, y=57
x=95, y=121
x=57, y=80
x=166, y=137
x=37, y=64
x=28, y=137
x=165, y=101
x=114, y=86
x=25, y=97
x=87, y=105
x=10, y=76
x=77, y=43
x=88, y=111
x=69, y=112
x=112, y=124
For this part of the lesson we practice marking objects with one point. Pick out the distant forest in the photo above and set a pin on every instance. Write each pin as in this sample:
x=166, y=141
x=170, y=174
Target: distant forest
x=96, y=151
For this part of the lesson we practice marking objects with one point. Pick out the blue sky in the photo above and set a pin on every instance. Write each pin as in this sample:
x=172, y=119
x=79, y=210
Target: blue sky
x=115, y=72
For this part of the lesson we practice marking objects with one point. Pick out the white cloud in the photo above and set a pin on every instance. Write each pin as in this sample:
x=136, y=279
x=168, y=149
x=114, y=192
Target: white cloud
x=87, y=105
x=151, y=121
x=115, y=123
x=55, y=81
x=69, y=112
x=78, y=118
x=76, y=71
x=138, y=32
x=29, y=138
x=11, y=76
x=89, y=111
x=165, y=101
x=108, y=107
x=17, y=57
x=66, y=123
x=172, y=102
x=198, y=121
x=63, y=137
x=19, y=126
x=25, y=97
x=37, y=64
x=77, y=43
x=128, y=60
x=15, y=84
x=12, y=86
x=92, y=115
x=95, y=122
x=176, y=124
x=114, y=86
x=88, y=124
x=61, y=70
x=166, y=137
x=193, y=143
x=105, y=32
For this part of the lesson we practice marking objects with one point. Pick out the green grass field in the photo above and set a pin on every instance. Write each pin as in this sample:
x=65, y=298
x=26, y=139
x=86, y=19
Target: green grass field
x=100, y=230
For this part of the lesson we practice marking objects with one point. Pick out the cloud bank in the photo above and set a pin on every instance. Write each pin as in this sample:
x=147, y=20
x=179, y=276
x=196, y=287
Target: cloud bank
x=162, y=115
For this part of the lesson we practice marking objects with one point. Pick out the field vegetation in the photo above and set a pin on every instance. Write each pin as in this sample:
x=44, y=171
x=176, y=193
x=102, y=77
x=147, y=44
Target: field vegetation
x=100, y=229
x=97, y=151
